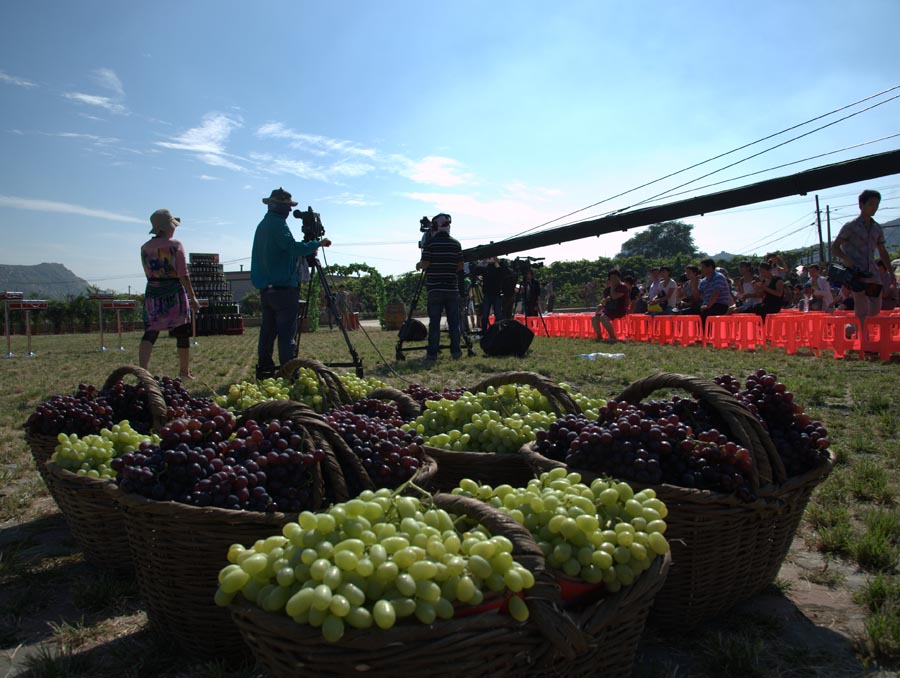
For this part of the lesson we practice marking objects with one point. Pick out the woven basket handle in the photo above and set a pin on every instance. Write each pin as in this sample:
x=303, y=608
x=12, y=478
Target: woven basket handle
x=744, y=426
x=406, y=404
x=560, y=400
x=333, y=391
x=158, y=408
x=544, y=600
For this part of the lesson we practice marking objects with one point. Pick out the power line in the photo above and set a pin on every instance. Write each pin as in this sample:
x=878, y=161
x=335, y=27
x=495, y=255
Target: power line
x=717, y=157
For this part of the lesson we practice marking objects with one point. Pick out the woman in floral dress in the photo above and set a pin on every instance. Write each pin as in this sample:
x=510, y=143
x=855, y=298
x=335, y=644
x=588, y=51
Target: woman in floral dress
x=169, y=298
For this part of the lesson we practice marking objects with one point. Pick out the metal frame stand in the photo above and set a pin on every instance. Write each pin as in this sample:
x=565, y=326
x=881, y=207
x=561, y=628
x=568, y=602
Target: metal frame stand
x=404, y=329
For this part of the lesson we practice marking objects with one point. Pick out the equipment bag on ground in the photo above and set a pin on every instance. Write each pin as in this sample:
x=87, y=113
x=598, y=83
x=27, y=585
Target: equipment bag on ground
x=507, y=337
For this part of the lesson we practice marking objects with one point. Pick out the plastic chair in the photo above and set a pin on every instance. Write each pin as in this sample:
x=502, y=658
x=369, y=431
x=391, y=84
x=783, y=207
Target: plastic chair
x=638, y=327
x=785, y=330
x=747, y=331
x=881, y=334
x=718, y=331
x=663, y=331
x=688, y=329
x=834, y=336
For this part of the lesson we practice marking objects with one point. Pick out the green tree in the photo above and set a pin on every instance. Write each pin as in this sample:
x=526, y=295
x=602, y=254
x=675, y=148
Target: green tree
x=662, y=241
x=251, y=304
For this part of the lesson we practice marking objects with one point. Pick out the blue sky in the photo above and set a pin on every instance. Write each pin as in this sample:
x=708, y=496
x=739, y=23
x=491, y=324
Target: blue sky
x=505, y=114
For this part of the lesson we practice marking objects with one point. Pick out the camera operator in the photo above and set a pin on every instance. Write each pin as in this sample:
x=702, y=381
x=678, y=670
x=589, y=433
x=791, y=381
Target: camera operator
x=531, y=294
x=491, y=285
x=442, y=262
x=274, y=272
x=508, y=288
x=854, y=245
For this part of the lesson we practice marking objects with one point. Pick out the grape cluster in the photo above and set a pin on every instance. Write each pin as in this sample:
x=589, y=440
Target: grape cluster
x=91, y=455
x=602, y=533
x=648, y=442
x=246, y=394
x=262, y=468
x=801, y=441
x=422, y=394
x=76, y=414
x=390, y=455
x=373, y=561
x=386, y=411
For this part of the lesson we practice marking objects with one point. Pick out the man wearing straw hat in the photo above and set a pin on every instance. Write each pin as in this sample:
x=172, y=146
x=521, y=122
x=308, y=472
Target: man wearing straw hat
x=273, y=271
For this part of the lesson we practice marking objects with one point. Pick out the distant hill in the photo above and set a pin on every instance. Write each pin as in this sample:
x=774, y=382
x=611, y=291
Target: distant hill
x=43, y=281
x=891, y=234
x=723, y=256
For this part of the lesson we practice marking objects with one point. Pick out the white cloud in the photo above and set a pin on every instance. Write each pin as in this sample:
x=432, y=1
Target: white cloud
x=298, y=168
x=93, y=100
x=207, y=140
x=37, y=205
x=13, y=80
x=504, y=212
x=79, y=135
x=437, y=171
x=314, y=143
x=352, y=199
x=107, y=78
x=206, y=177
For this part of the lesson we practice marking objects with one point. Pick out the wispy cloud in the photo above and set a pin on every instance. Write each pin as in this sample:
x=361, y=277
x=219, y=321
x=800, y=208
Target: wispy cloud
x=503, y=212
x=107, y=78
x=78, y=135
x=94, y=100
x=352, y=199
x=437, y=171
x=206, y=177
x=13, y=80
x=38, y=205
x=207, y=140
x=312, y=143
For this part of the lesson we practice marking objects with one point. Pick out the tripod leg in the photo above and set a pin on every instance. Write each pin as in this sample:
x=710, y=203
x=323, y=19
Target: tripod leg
x=404, y=328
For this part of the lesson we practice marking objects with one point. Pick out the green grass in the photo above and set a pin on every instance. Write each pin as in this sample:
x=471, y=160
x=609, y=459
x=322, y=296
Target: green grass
x=851, y=514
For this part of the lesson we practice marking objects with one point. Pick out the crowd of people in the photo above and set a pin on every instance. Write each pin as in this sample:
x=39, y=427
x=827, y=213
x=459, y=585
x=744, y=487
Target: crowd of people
x=869, y=285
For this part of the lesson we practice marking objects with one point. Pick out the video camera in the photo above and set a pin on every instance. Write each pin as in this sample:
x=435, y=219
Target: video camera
x=522, y=265
x=312, y=224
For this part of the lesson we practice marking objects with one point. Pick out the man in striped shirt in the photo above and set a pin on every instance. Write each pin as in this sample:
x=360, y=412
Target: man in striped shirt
x=442, y=260
x=714, y=291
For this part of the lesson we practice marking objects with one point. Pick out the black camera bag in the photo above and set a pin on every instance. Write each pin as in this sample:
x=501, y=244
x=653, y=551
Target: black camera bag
x=413, y=330
x=507, y=337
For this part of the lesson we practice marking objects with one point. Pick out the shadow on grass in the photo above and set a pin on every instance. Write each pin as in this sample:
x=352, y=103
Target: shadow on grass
x=767, y=635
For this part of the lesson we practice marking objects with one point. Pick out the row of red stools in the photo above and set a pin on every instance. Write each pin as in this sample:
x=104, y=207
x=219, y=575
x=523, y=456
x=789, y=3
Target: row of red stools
x=791, y=330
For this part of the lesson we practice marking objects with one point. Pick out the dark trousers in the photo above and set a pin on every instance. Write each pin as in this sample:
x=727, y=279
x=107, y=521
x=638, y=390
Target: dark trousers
x=438, y=304
x=715, y=309
x=279, y=319
x=491, y=303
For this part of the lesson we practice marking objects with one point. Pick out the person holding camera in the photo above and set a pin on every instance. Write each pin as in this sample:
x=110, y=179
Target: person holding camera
x=531, y=294
x=854, y=245
x=274, y=272
x=442, y=262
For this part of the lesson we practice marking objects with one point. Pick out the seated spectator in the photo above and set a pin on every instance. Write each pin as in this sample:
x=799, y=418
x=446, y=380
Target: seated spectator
x=667, y=294
x=844, y=300
x=745, y=296
x=822, y=298
x=888, y=287
x=688, y=294
x=771, y=289
x=714, y=291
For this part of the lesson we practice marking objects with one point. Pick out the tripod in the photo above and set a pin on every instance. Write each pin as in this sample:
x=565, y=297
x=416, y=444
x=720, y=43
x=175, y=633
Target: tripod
x=525, y=297
x=406, y=328
x=314, y=265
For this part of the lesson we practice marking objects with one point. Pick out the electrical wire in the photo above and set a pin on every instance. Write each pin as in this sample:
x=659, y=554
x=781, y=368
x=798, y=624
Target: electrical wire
x=708, y=160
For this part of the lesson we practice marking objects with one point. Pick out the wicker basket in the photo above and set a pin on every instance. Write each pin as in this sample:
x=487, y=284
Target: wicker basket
x=334, y=394
x=93, y=516
x=495, y=469
x=724, y=550
x=597, y=637
x=43, y=446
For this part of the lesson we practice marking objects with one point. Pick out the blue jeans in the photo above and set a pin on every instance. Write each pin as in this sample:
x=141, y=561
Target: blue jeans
x=279, y=319
x=491, y=303
x=439, y=303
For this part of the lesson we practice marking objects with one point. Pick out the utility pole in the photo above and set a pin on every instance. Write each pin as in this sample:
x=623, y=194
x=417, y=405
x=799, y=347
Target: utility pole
x=819, y=225
x=828, y=222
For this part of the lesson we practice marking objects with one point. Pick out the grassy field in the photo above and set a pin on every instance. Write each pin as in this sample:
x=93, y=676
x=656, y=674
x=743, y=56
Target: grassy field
x=833, y=611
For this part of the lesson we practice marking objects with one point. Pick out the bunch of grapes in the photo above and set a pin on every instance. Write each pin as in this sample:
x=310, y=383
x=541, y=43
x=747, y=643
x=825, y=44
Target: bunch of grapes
x=70, y=414
x=602, y=533
x=801, y=441
x=649, y=443
x=359, y=388
x=91, y=455
x=246, y=394
x=262, y=468
x=422, y=394
x=372, y=561
x=390, y=455
x=386, y=411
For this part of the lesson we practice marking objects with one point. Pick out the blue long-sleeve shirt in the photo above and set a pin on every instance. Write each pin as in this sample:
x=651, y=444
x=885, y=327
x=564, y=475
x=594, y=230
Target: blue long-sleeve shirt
x=275, y=253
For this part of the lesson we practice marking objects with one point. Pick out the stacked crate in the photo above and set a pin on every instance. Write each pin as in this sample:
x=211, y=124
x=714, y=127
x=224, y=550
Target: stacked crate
x=221, y=316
